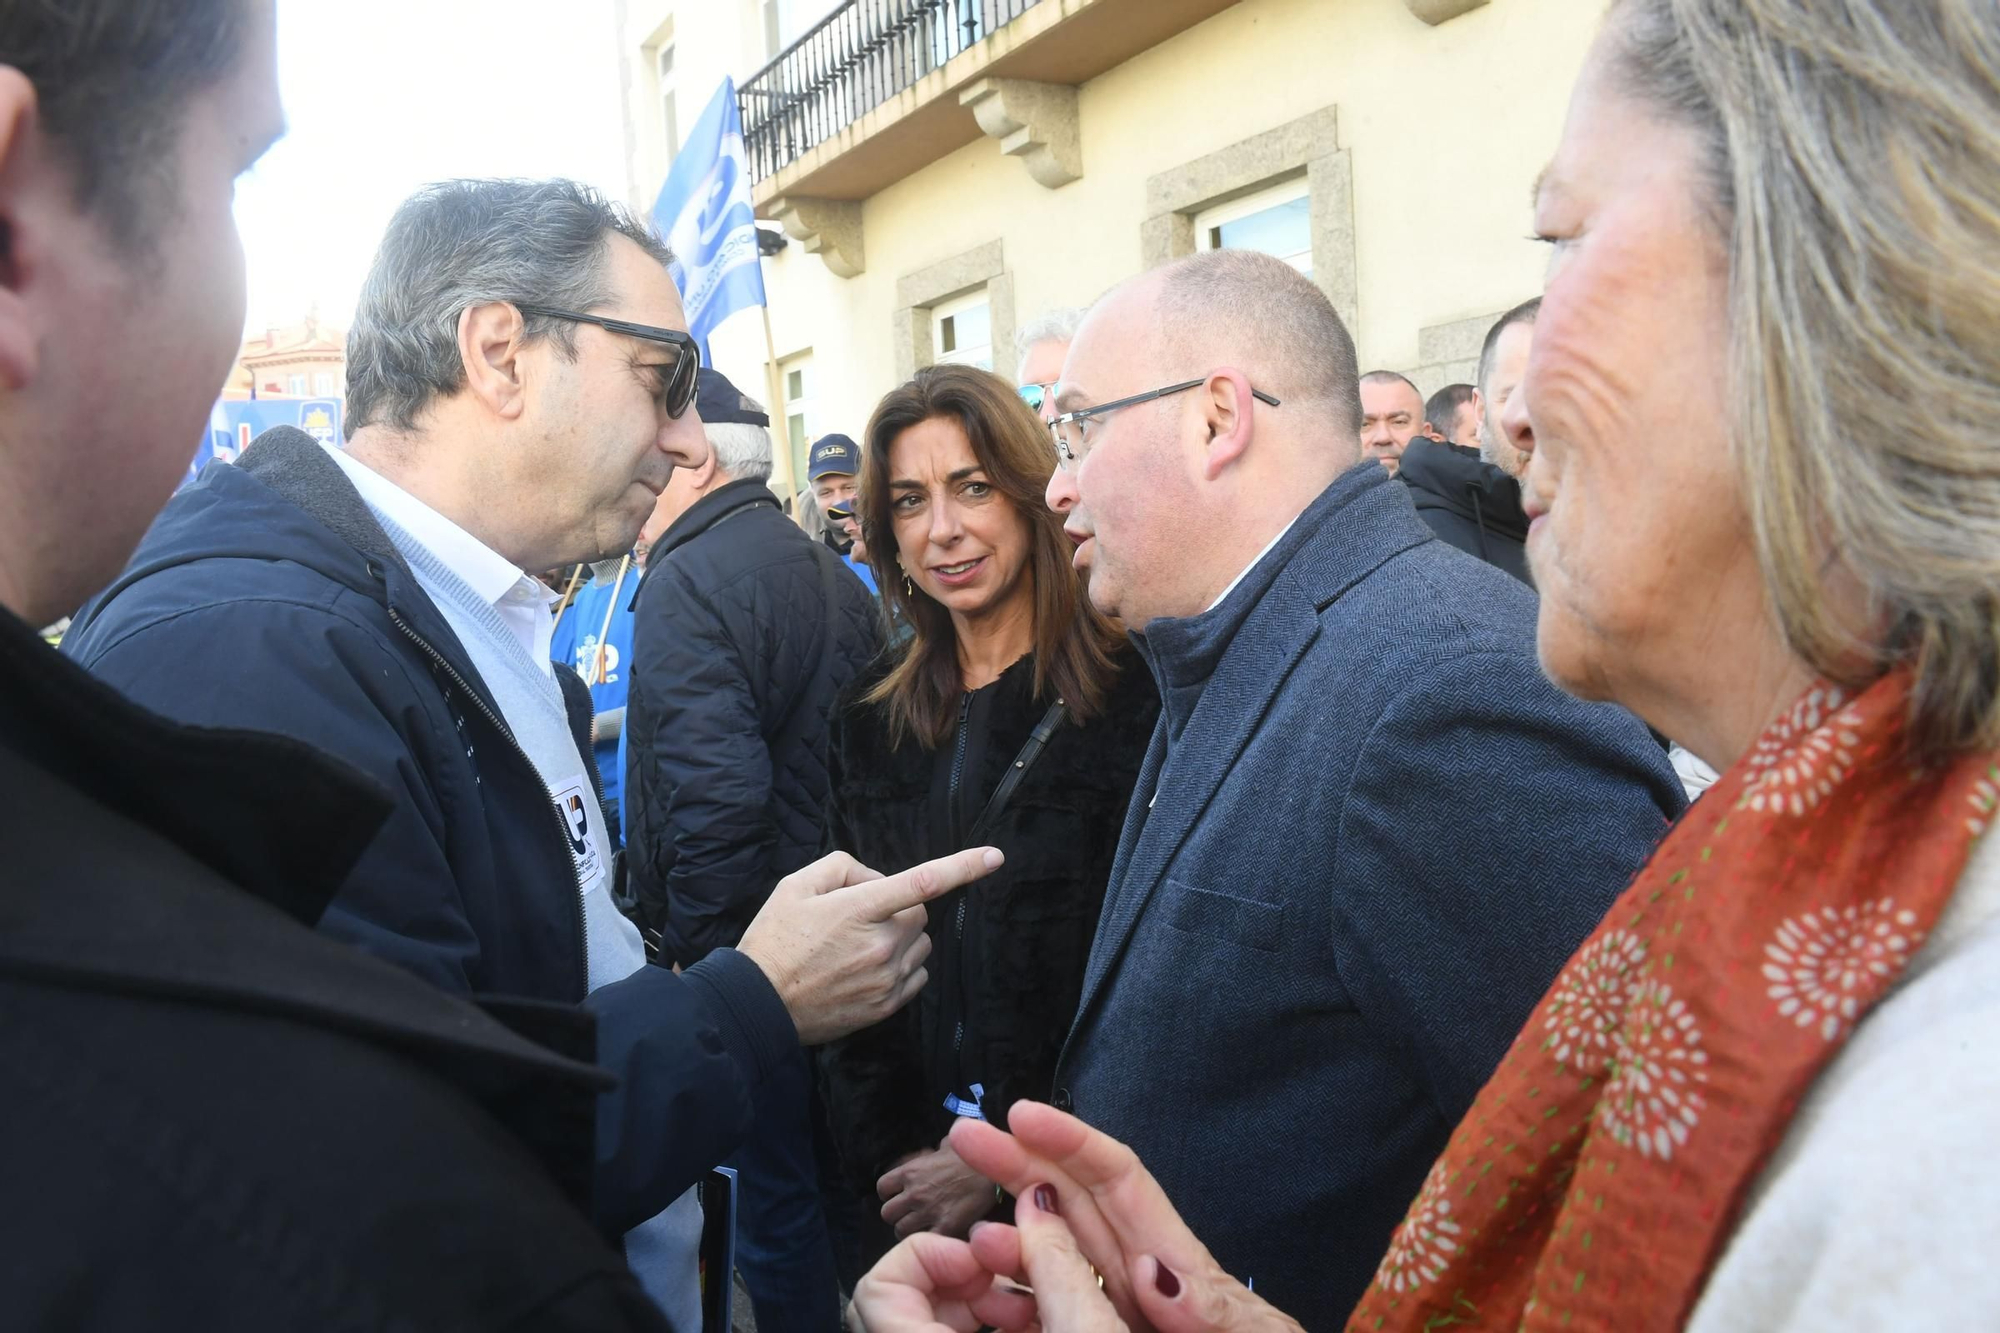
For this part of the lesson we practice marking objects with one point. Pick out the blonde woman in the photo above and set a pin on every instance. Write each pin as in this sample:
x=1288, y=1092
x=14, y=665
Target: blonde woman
x=1765, y=493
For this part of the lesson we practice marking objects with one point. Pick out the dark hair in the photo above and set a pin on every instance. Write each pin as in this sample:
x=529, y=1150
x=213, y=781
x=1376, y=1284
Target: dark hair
x=112, y=82
x=1074, y=643
x=1391, y=377
x=1443, y=408
x=459, y=244
x=1525, y=313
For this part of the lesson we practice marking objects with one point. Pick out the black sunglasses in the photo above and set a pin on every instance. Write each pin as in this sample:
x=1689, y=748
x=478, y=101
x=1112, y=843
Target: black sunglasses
x=677, y=381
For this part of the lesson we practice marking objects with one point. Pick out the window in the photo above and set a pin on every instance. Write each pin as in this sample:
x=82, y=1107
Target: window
x=670, y=119
x=326, y=384
x=785, y=21
x=295, y=385
x=962, y=331
x=1277, y=221
x=798, y=377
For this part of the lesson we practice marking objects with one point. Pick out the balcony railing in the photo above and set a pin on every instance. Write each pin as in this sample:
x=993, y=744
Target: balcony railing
x=857, y=58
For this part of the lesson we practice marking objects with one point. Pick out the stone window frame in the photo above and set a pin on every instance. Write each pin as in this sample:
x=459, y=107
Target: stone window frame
x=1310, y=146
x=917, y=293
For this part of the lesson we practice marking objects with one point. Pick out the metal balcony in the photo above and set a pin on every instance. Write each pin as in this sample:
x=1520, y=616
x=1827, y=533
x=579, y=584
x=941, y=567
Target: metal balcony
x=857, y=58
x=870, y=94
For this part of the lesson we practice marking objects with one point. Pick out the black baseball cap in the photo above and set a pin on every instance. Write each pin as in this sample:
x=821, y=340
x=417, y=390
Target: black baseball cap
x=833, y=456
x=719, y=402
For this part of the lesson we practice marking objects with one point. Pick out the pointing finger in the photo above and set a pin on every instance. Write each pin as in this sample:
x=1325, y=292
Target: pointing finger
x=881, y=899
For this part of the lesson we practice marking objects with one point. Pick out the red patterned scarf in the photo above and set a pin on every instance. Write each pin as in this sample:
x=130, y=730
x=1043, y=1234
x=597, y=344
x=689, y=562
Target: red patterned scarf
x=1598, y=1176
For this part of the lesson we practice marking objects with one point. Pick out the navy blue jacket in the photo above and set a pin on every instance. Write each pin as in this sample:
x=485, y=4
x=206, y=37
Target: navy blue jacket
x=1379, y=833
x=746, y=632
x=266, y=597
x=213, y=1118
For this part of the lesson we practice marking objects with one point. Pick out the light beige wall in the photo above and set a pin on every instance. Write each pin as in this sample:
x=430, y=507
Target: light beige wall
x=1447, y=128
x=712, y=39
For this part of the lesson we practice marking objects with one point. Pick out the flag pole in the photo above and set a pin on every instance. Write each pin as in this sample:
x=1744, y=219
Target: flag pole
x=782, y=455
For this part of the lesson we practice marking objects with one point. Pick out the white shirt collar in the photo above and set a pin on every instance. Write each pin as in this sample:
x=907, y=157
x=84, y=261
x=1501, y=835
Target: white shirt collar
x=1233, y=583
x=489, y=574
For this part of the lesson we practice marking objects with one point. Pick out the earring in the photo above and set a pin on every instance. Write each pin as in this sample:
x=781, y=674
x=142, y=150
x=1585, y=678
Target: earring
x=908, y=589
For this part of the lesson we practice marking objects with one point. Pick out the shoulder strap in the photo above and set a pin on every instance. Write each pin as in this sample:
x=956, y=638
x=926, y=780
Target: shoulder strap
x=1038, y=740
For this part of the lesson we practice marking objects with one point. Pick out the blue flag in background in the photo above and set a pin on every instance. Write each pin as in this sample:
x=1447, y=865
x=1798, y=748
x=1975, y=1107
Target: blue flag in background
x=704, y=211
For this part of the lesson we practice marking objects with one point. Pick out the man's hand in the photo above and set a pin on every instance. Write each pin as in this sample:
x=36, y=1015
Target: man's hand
x=934, y=1191
x=845, y=947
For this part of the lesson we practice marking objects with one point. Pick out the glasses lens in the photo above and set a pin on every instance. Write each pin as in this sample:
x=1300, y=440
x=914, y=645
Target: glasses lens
x=1032, y=395
x=680, y=384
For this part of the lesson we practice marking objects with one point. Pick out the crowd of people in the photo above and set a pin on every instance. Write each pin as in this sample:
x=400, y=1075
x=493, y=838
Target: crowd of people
x=1194, y=836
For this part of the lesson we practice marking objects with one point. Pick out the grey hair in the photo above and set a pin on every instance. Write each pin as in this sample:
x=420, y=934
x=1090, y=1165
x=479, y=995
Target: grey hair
x=809, y=516
x=1054, y=326
x=1257, y=302
x=458, y=244
x=1851, y=149
x=742, y=451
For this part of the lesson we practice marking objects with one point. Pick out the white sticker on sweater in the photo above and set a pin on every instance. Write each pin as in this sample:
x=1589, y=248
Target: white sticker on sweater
x=578, y=804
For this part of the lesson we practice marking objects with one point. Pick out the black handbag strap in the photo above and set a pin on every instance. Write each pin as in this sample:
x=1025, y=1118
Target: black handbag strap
x=1038, y=740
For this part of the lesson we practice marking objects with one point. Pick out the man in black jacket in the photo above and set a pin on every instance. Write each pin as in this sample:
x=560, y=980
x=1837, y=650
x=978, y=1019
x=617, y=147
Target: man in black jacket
x=519, y=375
x=746, y=631
x=211, y=1117
x=1472, y=497
x=1468, y=502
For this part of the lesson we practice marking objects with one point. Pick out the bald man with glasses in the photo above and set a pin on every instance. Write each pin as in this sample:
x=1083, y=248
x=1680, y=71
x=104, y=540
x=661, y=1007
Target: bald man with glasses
x=1368, y=831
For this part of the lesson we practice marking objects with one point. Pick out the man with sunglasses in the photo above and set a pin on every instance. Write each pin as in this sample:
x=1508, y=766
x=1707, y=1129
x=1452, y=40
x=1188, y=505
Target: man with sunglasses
x=519, y=386
x=1369, y=831
x=1039, y=349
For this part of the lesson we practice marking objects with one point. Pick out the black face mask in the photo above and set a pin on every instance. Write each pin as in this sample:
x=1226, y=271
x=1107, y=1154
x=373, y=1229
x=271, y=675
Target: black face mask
x=836, y=535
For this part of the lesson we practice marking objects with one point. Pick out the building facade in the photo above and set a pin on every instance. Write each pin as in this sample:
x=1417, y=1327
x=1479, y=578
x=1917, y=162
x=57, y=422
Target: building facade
x=944, y=171
x=304, y=360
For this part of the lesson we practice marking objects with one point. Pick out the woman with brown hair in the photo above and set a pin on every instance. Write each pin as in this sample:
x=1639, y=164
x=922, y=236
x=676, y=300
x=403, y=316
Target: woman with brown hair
x=1013, y=714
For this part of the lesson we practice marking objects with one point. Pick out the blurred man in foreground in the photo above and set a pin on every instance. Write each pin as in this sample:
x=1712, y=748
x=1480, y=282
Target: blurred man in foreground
x=213, y=1118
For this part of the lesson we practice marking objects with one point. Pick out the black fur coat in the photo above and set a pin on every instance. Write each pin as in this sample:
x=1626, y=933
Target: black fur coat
x=1011, y=969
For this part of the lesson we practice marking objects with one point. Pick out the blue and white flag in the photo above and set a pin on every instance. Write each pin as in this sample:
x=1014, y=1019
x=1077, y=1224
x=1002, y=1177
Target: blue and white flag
x=704, y=211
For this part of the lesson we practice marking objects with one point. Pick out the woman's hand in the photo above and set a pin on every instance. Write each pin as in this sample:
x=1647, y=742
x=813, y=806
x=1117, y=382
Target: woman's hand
x=931, y=1284
x=1155, y=1272
x=934, y=1191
